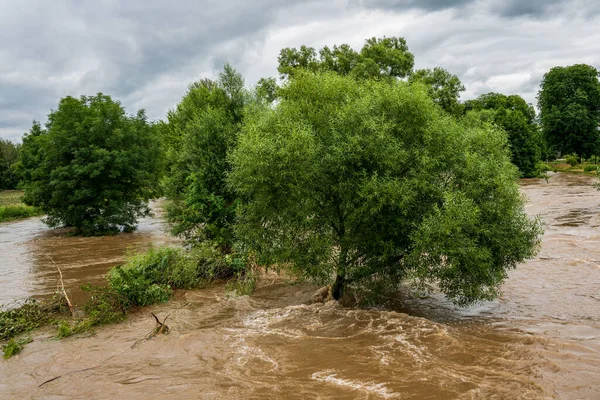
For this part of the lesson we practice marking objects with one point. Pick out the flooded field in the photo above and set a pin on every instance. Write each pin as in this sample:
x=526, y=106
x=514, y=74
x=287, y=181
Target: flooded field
x=540, y=340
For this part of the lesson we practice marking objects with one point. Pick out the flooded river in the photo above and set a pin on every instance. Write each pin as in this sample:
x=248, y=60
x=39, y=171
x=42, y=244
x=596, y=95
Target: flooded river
x=540, y=340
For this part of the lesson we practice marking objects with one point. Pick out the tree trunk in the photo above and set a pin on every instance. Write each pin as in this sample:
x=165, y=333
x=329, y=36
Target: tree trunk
x=338, y=287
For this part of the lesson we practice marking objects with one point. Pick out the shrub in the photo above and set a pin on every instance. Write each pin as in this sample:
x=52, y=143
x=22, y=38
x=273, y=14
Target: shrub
x=572, y=159
x=590, y=168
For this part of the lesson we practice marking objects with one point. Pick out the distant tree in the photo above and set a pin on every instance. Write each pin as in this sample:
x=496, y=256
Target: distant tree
x=266, y=89
x=92, y=168
x=386, y=57
x=569, y=101
x=443, y=87
x=9, y=156
x=517, y=118
x=362, y=182
x=202, y=129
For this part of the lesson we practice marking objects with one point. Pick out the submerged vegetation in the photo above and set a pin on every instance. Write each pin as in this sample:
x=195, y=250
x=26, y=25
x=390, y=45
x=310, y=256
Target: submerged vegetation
x=143, y=280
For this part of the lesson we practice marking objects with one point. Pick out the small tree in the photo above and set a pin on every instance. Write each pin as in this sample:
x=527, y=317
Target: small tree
x=93, y=167
x=202, y=130
x=366, y=182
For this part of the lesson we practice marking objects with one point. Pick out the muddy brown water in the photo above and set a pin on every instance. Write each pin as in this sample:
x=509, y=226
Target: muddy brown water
x=540, y=340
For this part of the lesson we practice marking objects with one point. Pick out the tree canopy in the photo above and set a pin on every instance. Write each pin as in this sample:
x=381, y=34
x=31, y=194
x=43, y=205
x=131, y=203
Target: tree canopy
x=366, y=182
x=201, y=130
x=93, y=167
x=379, y=58
x=517, y=118
x=569, y=101
x=444, y=88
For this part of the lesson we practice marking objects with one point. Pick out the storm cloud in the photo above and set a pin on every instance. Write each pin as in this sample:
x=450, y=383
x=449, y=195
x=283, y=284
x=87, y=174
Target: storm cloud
x=146, y=53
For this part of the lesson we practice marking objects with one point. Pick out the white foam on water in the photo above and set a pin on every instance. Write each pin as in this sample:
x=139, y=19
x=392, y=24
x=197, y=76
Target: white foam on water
x=330, y=376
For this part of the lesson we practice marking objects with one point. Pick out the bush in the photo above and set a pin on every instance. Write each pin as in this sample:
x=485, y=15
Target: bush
x=572, y=159
x=590, y=168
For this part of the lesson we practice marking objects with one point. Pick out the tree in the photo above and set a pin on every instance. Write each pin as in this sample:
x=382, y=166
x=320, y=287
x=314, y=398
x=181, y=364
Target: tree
x=92, y=168
x=365, y=182
x=569, y=101
x=9, y=156
x=444, y=88
x=386, y=57
x=202, y=130
x=517, y=118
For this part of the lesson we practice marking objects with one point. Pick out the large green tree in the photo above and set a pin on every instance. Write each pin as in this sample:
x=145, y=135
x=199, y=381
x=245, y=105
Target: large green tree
x=517, y=118
x=386, y=57
x=569, y=101
x=93, y=167
x=444, y=88
x=366, y=182
x=201, y=130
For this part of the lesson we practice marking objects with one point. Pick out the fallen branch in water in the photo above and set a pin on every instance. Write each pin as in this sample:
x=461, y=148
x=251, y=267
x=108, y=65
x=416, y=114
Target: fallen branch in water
x=62, y=290
x=161, y=327
x=79, y=370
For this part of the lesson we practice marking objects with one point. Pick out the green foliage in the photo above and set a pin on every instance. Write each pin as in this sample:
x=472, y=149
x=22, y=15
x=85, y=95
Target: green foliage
x=28, y=316
x=444, y=88
x=202, y=129
x=266, y=89
x=93, y=167
x=386, y=57
x=590, y=168
x=9, y=156
x=517, y=118
x=104, y=307
x=572, y=159
x=150, y=277
x=569, y=101
x=369, y=181
x=14, y=346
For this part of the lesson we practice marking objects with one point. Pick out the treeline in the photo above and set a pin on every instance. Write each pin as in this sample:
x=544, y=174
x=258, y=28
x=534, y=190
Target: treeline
x=9, y=156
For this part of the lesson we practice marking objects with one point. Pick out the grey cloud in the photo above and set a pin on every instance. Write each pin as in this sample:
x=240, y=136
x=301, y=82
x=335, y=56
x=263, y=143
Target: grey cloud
x=429, y=5
x=146, y=53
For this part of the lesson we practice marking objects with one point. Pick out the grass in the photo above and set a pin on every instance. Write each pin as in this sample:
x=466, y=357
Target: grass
x=588, y=168
x=144, y=279
x=11, y=206
x=14, y=346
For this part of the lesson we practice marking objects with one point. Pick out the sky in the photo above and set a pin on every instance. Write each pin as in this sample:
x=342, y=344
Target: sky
x=146, y=53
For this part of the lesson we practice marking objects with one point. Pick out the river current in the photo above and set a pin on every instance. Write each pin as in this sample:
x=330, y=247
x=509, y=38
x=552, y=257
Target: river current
x=540, y=340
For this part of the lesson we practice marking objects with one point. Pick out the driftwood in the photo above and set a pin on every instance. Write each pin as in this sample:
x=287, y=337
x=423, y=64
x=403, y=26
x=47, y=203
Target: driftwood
x=60, y=286
x=161, y=327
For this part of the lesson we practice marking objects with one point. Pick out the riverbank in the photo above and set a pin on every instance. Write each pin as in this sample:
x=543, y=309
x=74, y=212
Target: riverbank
x=12, y=208
x=587, y=168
